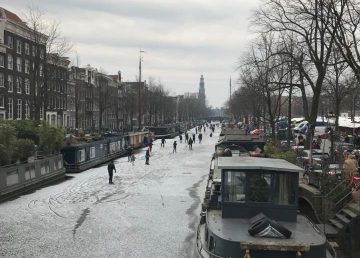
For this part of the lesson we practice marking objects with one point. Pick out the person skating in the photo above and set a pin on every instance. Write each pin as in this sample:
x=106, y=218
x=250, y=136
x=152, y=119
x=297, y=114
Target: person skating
x=150, y=145
x=129, y=152
x=190, y=142
x=186, y=137
x=163, y=142
x=196, y=130
x=180, y=138
x=193, y=138
x=111, y=169
x=133, y=159
x=174, y=144
x=147, y=157
x=200, y=137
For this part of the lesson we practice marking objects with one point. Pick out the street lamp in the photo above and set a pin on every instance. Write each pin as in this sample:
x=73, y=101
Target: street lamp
x=139, y=89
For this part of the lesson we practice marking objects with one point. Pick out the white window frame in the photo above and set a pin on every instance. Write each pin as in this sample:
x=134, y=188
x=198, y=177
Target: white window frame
x=2, y=61
x=33, y=50
x=41, y=70
x=27, y=48
x=18, y=64
x=27, y=86
x=10, y=62
x=27, y=66
x=42, y=53
x=2, y=80
x=10, y=109
x=27, y=110
x=10, y=83
x=10, y=41
x=19, y=109
x=18, y=84
x=18, y=46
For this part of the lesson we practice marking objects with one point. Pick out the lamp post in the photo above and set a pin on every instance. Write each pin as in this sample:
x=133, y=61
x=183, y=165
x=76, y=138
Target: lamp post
x=139, y=90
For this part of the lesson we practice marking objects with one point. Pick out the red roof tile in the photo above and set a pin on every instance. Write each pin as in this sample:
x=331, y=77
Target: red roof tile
x=5, y=14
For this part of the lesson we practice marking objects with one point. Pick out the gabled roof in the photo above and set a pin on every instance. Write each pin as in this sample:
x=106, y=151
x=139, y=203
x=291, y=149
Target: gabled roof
x=5, y=14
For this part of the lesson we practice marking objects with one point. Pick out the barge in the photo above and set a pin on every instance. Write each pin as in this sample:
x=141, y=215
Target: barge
x=250, y=210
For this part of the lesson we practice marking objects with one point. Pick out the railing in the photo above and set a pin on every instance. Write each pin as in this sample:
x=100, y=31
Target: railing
x=200, y=248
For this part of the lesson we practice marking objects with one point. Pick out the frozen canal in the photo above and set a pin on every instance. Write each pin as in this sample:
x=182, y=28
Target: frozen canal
x=150, y=211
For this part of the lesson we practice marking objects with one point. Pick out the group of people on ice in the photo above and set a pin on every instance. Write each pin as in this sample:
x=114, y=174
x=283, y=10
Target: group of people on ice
x=190, y=140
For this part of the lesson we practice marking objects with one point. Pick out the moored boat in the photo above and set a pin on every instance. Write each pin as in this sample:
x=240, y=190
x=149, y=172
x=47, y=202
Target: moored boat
x=250, y=210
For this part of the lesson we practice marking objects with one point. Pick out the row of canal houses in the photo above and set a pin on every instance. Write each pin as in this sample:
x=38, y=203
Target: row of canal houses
x=38, y=85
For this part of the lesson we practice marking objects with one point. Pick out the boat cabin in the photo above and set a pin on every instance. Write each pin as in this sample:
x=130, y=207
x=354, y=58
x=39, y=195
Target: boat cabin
x=250, y=186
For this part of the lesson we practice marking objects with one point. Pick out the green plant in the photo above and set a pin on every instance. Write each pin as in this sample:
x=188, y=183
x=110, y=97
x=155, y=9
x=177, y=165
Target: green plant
x=7, y=141
x=271, y=150
x=27, y=130
x=24, y=148
x=51, y=139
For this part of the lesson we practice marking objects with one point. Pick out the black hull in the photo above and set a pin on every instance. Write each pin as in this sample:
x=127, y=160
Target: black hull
x=76, y=168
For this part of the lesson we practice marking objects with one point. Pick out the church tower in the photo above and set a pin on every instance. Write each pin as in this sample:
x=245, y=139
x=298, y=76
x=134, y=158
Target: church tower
x=202, y=91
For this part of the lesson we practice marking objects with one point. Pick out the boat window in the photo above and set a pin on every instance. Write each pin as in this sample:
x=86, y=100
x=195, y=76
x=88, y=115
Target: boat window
x=234, y=186
x=285, y=189
x=259, y=187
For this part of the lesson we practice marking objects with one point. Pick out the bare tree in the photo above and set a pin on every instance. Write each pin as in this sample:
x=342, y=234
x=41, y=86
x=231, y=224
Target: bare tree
x=310, y=22
x=47, y=39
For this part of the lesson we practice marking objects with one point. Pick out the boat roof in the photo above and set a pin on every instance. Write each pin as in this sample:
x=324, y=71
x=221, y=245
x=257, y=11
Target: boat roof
x=257, y=163
x=240, y=137
x=304, y=234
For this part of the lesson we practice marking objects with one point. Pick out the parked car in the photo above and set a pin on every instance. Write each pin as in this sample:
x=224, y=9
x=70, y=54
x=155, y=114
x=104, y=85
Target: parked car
x=317, y=173
x=319, y=130
x=257, y=132
x=300, y=127
x=304, y=158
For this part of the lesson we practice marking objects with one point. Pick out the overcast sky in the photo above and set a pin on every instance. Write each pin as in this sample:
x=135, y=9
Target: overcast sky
x=182, y=38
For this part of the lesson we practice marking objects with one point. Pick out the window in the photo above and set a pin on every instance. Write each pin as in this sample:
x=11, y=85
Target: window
x=234, y=186
x=2, y=80
x=18, y=84
x=42, y=53
x=29, y=172
x=10, y=83
x=18, y=46
x=10, y=109
x=10, y=63
x=19, y=109
x=18, y=64
x=2, y=101
x=27, y=86
x=34, y=50
x=27, y=66
x=259, y=187
x=45, y=168
x=27, y=110
x=285, y=189
x=2, y=61
x=27, y=49
x=41, y=113
x=9, y=42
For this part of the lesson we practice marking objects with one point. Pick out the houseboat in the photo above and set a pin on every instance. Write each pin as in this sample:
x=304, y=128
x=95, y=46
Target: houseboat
x=139, y=139
x=239, y=142
x=16, y=179
x=250, y=210
x=166, y=132
x=87, y=155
